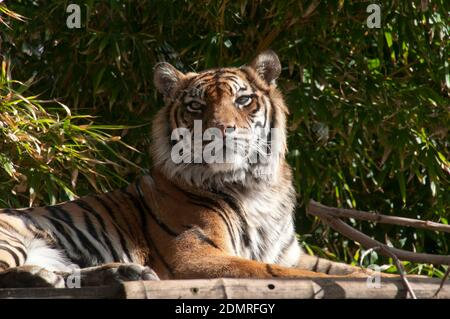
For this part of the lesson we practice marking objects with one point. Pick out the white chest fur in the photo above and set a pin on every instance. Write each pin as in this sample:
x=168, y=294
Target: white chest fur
x=267, y=225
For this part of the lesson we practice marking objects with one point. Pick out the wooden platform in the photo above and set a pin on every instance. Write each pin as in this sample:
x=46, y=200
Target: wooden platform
x=243, y=289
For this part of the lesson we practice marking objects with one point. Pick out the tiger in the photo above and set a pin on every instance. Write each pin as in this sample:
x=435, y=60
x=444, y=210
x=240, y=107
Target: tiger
x=188, y=219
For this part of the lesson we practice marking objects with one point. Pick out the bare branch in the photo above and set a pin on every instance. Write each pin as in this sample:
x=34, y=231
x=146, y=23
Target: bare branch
x=328, y=218
x=379, y=218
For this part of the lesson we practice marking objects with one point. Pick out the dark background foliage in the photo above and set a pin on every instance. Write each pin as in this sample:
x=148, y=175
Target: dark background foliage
x=369, y=107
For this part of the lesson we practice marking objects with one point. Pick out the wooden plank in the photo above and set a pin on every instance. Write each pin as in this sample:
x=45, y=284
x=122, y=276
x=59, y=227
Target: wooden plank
x=103, y=292
x=243, y=289
x=283, y=288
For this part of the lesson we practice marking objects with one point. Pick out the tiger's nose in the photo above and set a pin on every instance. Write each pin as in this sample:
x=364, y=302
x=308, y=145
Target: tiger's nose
x=226, y=128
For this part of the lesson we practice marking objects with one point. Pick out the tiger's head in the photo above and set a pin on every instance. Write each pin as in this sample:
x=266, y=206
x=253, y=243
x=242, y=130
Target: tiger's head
x=219, y=126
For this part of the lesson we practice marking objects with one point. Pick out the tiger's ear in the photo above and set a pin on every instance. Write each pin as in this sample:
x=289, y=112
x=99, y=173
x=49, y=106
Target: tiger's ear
x=166, y=78
x=267, y=65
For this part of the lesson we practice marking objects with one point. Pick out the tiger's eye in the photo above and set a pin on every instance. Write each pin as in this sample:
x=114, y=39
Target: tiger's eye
x=194, y=107
x=244, y=100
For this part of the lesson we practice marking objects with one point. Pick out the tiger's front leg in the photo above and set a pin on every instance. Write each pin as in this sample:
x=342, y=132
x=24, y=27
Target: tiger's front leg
x=31, y=276
x=109, y=274
x=223, y=266
x=194, y=257
x=326, y=266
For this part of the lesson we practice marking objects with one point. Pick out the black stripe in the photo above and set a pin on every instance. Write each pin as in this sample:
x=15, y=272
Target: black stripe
x=12, y=253
x=230, y=78
x=232, y=203
x=316, y=265
x=59, y=212
x=146, y=234
x=20, y=249
x=93, y=232
x=140, y=209
x=210, y=204
x=272, y=121
x=228, y=87
x=38, y=232
x=270, y=271
x=111, y=196
x=122, y=241
x=90, y=226
x=138, y=205
x=143, y=224
x=77, y=254
x=287, y=246
x=168, y=127
x=266, y=111
x=159, y=255
x=29, y=221
x=199, y=78
x=252, y=81
x=329, y=268
x=202, y=236
x=4, y=265
x=261, y=233
x=2, y=231
x=224, y=219
x=216, y=74
x=6, y=226
x=8, y=211
x=87, y=207
x=258, y=106
x=175, y=115
x=165, y=227
x=272, y=114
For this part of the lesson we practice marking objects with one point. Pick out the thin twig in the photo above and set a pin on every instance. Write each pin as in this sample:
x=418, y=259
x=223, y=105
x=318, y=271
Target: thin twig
x=400, y=269
x=447, y=273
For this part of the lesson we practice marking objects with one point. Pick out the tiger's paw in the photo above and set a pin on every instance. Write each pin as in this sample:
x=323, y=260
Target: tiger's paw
x=30, y=276
x=131, y=272
x=116, y=273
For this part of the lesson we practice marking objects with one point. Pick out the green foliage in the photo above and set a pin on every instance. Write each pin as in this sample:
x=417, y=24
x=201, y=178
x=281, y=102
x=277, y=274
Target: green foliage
x=47, y=154
x=370, y=109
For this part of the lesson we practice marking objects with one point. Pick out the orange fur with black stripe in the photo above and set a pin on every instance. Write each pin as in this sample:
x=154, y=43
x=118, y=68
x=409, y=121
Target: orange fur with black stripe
x=186, y=219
